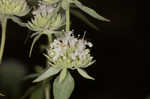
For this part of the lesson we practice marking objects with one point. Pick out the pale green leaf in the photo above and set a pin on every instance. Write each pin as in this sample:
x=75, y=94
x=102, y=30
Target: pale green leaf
x=84, y=18
x=18, y=21
x=33, y=43
x=2, y=94
x=89, y=11
x=38, y=93
x=31, y=76
x=64, y=89
x=28, y=92
x=84, y=74
x=63, y=75
x=89, y=64
x=48, y=73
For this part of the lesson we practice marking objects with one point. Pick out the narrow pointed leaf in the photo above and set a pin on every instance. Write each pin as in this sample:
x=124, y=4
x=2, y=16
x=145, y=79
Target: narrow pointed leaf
x=89, y=11
x=31, y=76
x=64, y=89
x=63, y=75
x=33, y=43
x=83, y=18
x=18, y=21
x=84, y=74
x=90, y=64
x=2, y=94
x=48, y=73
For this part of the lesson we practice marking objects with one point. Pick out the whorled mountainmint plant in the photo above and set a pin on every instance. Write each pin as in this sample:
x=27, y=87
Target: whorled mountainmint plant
x=9, y=9
x=66, y=53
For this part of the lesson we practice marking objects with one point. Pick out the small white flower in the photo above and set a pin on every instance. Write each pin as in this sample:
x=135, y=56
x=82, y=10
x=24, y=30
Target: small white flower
x=73, y=56
x=70, y=50
x=44, y=9
x=90, y=44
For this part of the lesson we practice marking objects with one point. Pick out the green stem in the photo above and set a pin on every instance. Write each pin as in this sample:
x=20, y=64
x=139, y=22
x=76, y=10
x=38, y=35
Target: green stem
x=68, y=19
x=47, y=91
x=3, y=38
x=47, y=82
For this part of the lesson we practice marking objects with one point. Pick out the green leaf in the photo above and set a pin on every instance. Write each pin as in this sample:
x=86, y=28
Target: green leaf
x=48, y=73
x=89, y=11
x=64, y=89
x=2, y=94
x=33, y=43
x=38, y=93
x=84, y=74
x=83, y=18
x=18, y=21
x=87, y=65
x=63, y=75
x=31, y=76
x=29, y=91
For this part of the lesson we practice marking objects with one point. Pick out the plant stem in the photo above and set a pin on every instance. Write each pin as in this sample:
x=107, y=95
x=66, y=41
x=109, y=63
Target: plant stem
x=48, y=85
x=68, y=18
x=3, y=38
x=47, y=91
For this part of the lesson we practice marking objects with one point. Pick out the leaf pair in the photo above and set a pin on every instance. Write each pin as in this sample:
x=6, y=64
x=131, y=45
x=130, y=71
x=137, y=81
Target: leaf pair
x=63, y=85
x=89, y=11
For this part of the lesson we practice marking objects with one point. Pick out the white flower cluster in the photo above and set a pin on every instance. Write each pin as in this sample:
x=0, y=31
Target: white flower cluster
x=43, y=8
x=70, y=52
x=44, y=18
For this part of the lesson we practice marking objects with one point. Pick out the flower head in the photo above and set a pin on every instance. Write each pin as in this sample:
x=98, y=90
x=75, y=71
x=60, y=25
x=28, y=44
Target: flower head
x=70, y=52
x=14, y=7
x=44, y=19
x=66, y=53
x=42, y=22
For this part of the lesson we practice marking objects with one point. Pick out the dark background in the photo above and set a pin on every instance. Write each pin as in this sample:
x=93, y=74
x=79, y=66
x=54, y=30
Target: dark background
x=121, y=52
